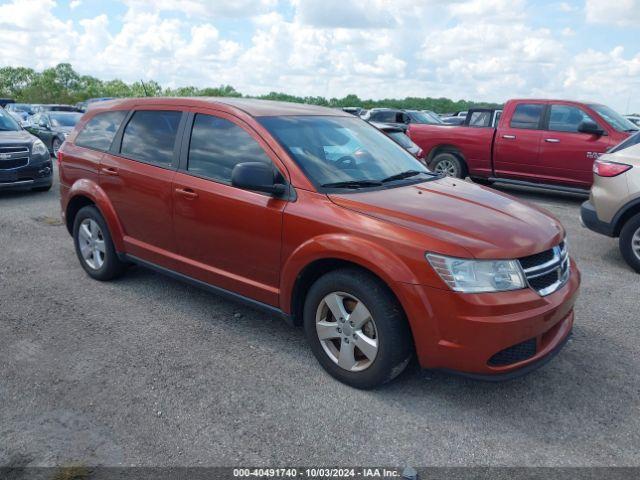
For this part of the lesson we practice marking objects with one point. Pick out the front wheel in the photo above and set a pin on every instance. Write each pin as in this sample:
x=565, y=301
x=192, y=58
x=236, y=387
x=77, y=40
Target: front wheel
x=55, y=146
x=357, y=330
x=448, y=164
x=630, y=242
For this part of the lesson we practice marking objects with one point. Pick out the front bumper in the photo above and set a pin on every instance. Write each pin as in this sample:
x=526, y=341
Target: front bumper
x=38, y=173
x=466, y=332
x=589, y=218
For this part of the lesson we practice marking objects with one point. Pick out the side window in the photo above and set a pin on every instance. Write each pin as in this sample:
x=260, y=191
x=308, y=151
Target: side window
x=98, y=133
x=385, y=117
x=150, y=136
x=527, y=115
x=566, y=118
x=480, y=119
x=217, y=145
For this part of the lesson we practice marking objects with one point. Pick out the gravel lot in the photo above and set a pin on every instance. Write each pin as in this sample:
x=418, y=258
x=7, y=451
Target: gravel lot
x=149, y=371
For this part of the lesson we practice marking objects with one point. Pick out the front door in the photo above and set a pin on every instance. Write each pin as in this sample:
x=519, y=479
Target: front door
x=566, y=155
x=226, y=236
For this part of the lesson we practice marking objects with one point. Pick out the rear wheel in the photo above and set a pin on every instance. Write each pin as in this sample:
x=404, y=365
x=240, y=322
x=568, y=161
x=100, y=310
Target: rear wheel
x=94, y=246
x=630, y=242
x=356, y=328
x=448, y=164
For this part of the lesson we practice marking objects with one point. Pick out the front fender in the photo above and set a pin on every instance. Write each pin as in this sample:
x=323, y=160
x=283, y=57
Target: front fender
x=340, y=246
x=91, y=190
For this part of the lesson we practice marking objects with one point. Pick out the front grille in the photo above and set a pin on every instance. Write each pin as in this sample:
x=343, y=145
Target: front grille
x=515, y=353
x=13, y=157
x=547, y=271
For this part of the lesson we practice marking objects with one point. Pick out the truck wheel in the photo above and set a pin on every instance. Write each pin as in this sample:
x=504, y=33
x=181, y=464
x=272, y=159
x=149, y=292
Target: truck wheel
x=94, y=246
x=356, y=328
x=630, y=242
x=447, y=164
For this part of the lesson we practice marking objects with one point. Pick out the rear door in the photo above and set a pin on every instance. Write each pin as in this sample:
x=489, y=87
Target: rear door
x=137, y=176
x=517, y=142
x=566, y=155
x=226, y=236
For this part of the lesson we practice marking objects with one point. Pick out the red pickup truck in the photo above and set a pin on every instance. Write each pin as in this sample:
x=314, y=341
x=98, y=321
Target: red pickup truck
x=544, y=143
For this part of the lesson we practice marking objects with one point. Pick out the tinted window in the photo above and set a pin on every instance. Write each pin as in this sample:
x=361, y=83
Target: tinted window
x=98, y=133
x=150, y=136
x=614, y=119
x=389, y=117
x=217, y=145
x=527, y=115
x=7, y=123
x=64, y=119
x=565, y=118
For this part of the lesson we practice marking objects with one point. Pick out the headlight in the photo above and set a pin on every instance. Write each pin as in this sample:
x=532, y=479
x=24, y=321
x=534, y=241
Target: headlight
x=39, y=148
x=476, y=276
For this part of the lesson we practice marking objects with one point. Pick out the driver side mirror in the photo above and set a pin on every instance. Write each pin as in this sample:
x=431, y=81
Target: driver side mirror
x=592, y=128
x=256, y=176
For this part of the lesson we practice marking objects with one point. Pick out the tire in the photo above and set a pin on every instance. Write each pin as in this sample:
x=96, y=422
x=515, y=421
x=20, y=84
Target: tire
x=101, y=263
x=386, y=327
x=448, y=164
x=482, y=181
x=55, y=146
x=44, y=188
x=630, y=242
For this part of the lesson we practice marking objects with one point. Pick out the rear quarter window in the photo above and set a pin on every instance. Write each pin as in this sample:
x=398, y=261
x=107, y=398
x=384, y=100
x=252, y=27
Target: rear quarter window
x=98, y=133
x=527, y=116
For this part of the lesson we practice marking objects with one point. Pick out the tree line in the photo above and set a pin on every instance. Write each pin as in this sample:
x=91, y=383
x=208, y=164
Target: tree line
x=62, y=84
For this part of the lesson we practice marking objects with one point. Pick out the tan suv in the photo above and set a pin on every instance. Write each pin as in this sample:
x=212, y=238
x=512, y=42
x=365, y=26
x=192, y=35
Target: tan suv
x=613, y=207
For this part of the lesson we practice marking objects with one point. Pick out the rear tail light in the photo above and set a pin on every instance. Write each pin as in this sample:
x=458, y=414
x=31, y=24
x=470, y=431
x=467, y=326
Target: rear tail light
x=604, y=168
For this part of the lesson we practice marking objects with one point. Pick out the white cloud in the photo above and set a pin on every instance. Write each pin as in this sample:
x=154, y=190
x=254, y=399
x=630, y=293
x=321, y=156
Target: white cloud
x=74, y=4
x=619, y=12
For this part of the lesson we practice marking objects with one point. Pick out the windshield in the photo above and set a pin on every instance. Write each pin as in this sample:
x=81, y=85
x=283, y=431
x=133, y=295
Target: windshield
x=422, y=117
x=21, y=107
x=64, y=119
x=7, y=123
x=629, y=142
x=401, y=139
x=334, y=150
x=614, y=119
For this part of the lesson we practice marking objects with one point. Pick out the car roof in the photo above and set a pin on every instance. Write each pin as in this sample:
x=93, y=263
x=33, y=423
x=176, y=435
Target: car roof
x=251, y=106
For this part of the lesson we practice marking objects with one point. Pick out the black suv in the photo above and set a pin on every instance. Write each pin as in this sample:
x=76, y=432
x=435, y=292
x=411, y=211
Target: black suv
x=24, y=160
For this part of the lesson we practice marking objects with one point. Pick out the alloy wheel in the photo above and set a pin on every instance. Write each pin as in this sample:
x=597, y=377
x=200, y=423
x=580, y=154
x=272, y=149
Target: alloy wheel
x=447, y=167
x=347, y=331
x=91, y=242
x=635, y=243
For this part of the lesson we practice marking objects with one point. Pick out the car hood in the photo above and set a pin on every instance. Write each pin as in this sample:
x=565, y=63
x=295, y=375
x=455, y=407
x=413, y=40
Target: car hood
x=15, y=136
x=456, y=214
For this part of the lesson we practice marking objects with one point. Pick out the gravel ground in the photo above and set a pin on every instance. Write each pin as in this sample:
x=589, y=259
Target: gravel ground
x=149, y=371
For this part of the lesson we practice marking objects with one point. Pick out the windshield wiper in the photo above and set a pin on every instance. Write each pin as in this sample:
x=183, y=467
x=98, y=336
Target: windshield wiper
x=403, y=175
x=353, y=184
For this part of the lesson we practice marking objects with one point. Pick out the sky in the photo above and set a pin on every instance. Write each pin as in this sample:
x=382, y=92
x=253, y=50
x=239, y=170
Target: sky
x=483, y=50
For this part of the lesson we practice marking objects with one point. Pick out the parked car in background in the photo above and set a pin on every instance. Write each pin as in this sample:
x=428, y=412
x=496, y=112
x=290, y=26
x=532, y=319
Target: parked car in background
x=456, y=118
x=357, y=111
x=6, y=101
x=399, y=136
x=436, y=118
x=20, y=111
x=24, y=159
x=54, y=108
x=82, y=106
x=543, y=143
x=312, y=215
x=53, y=127
x=613, y=208
x=398, y=118
x=635, y=119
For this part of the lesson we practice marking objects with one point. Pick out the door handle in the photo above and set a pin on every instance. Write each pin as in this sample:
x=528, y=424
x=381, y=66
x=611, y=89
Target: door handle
x=187, y=193
x=552, y=140
x=509, y=137
x=110, y=171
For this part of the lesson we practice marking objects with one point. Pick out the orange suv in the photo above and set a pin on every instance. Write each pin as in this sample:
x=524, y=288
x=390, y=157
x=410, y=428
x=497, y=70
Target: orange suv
x=315, y=215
